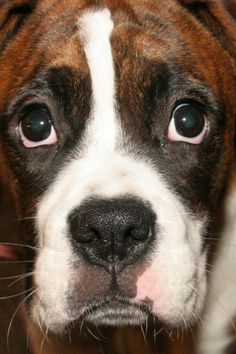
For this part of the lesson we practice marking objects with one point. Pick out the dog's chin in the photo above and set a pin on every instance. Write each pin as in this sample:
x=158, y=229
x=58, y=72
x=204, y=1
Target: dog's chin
x=110, y=314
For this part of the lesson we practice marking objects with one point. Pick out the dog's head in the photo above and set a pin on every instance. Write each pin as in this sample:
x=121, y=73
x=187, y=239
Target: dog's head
x=117, y=136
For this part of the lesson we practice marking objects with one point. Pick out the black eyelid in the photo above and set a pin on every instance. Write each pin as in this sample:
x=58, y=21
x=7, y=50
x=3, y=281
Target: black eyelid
x=191, y=102
x=34, y=107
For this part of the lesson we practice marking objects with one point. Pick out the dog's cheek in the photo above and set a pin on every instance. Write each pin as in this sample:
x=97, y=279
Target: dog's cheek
x=174, y=284
x=51, y=276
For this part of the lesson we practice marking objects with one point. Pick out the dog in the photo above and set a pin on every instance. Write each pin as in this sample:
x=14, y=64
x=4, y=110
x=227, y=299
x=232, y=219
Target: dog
x=117, y=122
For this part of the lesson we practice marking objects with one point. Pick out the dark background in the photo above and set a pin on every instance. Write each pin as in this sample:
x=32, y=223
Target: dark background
x=17, y=337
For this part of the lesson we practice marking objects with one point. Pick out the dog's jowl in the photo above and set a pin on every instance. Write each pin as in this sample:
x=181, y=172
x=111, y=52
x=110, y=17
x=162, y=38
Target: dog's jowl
x=117, y=123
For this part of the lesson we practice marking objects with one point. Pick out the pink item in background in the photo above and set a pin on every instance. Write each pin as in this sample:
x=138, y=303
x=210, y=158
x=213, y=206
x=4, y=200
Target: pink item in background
x=7, y=252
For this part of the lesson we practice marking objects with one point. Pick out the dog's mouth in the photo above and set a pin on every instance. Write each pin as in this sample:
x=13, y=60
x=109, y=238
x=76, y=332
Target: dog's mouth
x=114, y=311
x=117, y=313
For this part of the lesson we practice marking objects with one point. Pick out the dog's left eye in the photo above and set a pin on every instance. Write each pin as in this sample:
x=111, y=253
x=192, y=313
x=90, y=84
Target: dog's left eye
x=36, y=129
x=188, y=124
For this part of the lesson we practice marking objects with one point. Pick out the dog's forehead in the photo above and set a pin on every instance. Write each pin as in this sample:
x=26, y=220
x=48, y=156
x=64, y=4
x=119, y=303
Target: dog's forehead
x=135, y=30
x=142, y=35
x=142, y=42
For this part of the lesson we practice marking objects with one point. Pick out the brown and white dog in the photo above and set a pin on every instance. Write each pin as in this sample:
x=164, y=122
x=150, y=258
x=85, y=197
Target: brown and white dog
x=117, y=123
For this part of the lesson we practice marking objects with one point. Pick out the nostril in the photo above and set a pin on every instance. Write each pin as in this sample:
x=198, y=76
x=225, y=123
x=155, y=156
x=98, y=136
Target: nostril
x=136, y=234
x=129, y=233
x=90, y=236
x=82, y=231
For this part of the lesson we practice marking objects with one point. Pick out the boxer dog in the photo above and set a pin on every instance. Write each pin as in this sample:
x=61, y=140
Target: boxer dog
x=117, y=143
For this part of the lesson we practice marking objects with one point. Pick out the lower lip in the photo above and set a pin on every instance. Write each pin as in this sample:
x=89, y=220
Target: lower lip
x=116, y=313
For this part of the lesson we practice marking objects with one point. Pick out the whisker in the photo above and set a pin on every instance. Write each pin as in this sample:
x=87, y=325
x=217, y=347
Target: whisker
x=16, y=295
x=19, y=245
x=47, y=329
x=14, y=314
x=167, y=332
x=197, y=292
x=146, y=327
x=154, y=337
x=13, y=276
x=198, y=320
x=177, y=333
x=143, y=333
x=100, y=333
x=93, y=335
x=41, y=327
x=158, y=332
x=21, y=278
x=41, y=324
x=182, y=336
x=185, y=323
x=15, y=262
x=192, y=334
x=28, y=218
x=69, y=336
x=211, y=238
x=27, y=337
x=42, y=345
x=81, y=326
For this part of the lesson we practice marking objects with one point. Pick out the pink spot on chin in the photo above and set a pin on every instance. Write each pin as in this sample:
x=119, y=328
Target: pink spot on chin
x=6, y=252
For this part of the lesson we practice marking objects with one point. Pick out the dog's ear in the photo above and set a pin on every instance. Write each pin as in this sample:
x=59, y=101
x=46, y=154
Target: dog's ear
x=13, y=13
x=219, y=17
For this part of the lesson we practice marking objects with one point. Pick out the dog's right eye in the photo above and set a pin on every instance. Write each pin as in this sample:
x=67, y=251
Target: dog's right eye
x=36, y=129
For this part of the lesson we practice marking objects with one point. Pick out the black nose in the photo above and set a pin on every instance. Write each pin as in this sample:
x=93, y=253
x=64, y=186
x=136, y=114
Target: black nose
x=112, y=233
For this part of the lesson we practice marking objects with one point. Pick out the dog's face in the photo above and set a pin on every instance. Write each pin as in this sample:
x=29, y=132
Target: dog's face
x=117, y=134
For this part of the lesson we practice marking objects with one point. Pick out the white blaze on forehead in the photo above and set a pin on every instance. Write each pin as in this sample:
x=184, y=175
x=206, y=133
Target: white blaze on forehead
x=95, y=28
